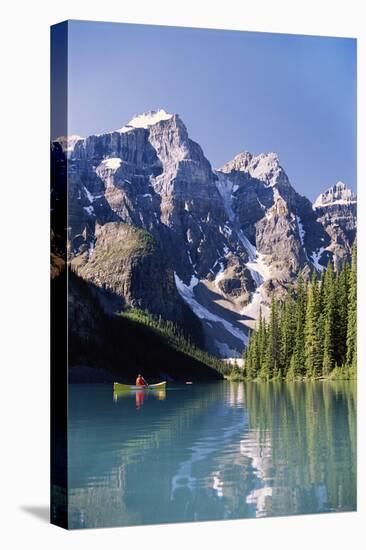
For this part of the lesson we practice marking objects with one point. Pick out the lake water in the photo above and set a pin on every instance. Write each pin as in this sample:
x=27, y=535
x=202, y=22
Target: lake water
x=210, y=451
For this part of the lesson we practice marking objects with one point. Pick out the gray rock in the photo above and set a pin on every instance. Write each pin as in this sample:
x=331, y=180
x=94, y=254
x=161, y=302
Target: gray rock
x=144, y=203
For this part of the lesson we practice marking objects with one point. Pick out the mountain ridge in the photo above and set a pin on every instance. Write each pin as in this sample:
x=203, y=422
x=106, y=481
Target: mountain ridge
x=231, y=237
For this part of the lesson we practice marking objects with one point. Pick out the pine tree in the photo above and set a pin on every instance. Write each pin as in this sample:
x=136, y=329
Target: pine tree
x=271, y=362
x=342, y=296
x=247, y=369
x=321, y=319
x=261, y=340
x=329, y=312
x=251, y=357
x=351, y=355
x=298, y=362
x=287, y=334
x=313, y=357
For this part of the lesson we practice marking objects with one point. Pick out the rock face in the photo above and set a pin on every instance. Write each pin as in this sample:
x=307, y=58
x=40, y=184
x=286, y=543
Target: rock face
x=124, y=262
x=336, y=210
x=154, y=226
x=339, y=194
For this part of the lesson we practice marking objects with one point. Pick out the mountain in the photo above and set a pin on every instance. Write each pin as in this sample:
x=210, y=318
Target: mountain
x=336, y=210
x=153, y=226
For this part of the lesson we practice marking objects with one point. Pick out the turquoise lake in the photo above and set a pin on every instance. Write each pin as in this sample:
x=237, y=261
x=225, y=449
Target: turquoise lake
x=214, y=451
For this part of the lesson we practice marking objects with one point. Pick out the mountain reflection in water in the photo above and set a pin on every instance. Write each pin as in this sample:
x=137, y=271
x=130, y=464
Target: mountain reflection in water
x=210, y=451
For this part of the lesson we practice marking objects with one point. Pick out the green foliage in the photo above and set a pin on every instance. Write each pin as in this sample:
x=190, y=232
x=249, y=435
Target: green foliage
x=313, y=347
x=175, y=337
x=132, y=342
x=341, y=373
x=235, y=373
x=287, y=334
x=299, y=347
x=329, y=321
x=312, y=334
x=351, y=352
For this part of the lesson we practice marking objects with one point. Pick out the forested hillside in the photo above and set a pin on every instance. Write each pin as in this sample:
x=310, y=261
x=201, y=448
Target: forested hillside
x=133, y=341
x=312, y=335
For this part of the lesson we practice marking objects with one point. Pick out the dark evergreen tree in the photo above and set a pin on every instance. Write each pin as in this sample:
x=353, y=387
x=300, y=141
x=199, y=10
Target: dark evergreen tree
x=298, y=362
x=313, y=355
x=287, y=333
x=341, y=320
x=271, y=364
x=329, y=313
x=351, y=355
x=250, y=357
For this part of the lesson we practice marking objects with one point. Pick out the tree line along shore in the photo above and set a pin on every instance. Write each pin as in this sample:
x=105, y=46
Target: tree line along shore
x=311, y=335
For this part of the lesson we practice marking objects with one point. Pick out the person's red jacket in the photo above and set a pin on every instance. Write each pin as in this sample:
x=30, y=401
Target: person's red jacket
x=140, y=381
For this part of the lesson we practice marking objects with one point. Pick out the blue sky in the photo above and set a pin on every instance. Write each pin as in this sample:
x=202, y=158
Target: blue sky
x=235, y=91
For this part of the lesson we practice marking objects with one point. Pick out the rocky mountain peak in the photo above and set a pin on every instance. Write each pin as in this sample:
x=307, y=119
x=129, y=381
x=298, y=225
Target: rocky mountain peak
x=145, y=120
x=264, y=167
x=239, y=163
x=339, y=193
x=223, y=241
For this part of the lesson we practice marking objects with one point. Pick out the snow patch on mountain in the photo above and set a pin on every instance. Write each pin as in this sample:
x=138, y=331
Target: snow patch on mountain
x=301, y=234
x=225, y=187
x=259, y=266
x=251, y=250
x=145, y=120
x=186, y=292
x=260, y=273
x=112, y=163
x=338, y=194
x=315, y=257
x=301, y=229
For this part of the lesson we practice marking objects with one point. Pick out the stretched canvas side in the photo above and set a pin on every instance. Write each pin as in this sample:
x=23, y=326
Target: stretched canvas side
x=59, y=286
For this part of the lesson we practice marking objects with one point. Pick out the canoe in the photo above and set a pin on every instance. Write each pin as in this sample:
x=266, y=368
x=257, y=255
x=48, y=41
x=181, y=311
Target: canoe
x=126, y=387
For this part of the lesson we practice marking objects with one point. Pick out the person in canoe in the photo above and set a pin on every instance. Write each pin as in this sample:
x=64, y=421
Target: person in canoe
x=140, y=381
